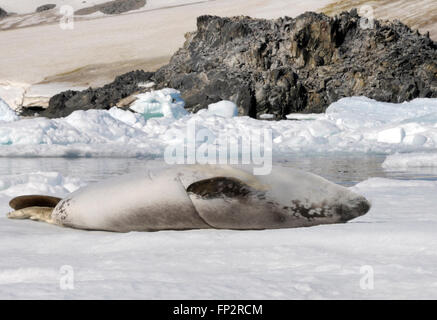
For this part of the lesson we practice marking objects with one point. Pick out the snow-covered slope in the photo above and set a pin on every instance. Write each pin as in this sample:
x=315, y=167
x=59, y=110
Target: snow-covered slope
x=417, y=14
x=150, y=34
x=27, y=6
x=389, y=253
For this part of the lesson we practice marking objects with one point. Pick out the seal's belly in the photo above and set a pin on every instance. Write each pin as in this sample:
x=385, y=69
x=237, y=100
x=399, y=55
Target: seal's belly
x=139, y=202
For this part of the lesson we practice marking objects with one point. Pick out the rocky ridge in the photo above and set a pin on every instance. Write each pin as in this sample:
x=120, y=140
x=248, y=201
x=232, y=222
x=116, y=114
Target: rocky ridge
x=113, y=7
x=286, y=65
x=123, y=86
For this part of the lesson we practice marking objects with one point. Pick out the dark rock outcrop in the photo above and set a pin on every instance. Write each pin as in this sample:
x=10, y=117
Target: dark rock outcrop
x=105, y=97
x=3, y=13
x=113, y=7
x=46, y=7
x=300, y=65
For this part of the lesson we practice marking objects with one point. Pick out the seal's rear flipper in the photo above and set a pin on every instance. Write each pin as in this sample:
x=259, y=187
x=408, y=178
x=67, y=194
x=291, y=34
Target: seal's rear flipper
x=33, y=213
x=27, y=201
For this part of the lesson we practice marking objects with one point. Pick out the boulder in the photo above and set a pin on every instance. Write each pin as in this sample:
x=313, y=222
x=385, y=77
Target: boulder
x=45, y=7
x=106, y=97
x=113, y=7
x=300, y=64
x=3, y=13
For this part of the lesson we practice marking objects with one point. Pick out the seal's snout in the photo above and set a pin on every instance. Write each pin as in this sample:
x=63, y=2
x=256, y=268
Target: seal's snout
x=355, y=208
x=362, y=207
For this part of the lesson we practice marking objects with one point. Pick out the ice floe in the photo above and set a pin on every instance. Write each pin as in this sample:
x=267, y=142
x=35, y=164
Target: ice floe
x=350, y=125
x=303, y=263
x=410, y=160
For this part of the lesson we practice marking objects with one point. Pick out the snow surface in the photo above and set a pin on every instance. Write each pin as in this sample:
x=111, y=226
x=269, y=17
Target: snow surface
x=351, y=125
x=396, y=239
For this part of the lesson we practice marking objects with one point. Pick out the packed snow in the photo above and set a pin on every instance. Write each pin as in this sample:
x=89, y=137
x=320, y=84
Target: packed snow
x=389, y=253
x=351, y=125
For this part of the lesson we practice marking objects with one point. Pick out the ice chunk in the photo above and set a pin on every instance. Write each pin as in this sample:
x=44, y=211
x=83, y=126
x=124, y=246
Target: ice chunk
x=362, y=112
x=393, y=135
x=127, y=117
x=166, y=103
x=415, y=140
x=6, y=113
x=224, y=108
x=267, y=116
x=305, y=116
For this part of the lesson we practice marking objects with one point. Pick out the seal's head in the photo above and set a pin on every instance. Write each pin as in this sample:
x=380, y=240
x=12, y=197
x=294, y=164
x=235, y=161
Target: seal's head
x=352, y=208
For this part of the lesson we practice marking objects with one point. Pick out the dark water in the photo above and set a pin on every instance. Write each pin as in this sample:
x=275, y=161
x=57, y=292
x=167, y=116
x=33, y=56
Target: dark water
x=349, y=170
x=345, y=170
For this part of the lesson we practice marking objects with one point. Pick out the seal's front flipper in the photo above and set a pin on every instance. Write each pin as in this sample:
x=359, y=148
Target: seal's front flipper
x=219, y=187
x=22, y=202
x=229, y=203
